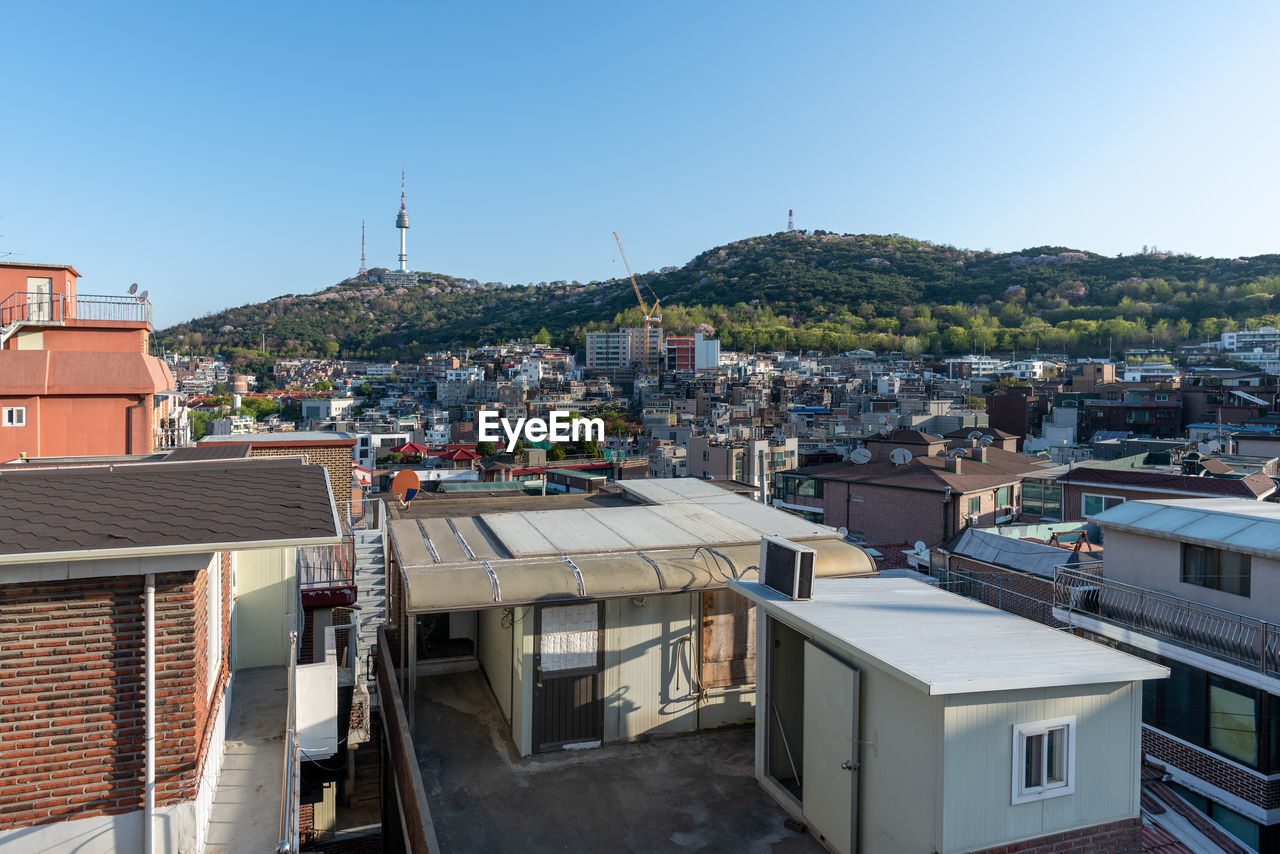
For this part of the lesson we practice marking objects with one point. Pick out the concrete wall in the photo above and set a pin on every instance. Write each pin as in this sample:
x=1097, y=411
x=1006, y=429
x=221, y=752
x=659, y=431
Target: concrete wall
x=978, y=763
x=1156, y=564
x=496, y=651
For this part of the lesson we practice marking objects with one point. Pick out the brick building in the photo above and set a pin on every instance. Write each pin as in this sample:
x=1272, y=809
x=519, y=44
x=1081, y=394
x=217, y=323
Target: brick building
x=75, y=375
x=1142, y=411
x=97, y=562
x=930, y=497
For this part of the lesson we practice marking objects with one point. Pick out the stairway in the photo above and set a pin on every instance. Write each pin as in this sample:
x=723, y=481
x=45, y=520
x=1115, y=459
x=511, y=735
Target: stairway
x=371, y=593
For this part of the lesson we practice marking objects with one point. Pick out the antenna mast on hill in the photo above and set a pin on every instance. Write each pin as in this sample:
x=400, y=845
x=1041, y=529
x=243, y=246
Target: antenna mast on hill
x=791, y=222
x=364, y=270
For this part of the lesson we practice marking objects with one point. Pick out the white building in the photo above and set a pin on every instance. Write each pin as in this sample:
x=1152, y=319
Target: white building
x=971, y=730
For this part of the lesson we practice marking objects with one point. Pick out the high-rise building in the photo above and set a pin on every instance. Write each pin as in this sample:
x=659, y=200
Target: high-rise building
x=634, y=347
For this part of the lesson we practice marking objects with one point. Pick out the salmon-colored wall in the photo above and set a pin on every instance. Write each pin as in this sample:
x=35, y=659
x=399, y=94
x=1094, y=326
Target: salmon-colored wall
x=86, y=340
x=14, y=279
x=75, y=426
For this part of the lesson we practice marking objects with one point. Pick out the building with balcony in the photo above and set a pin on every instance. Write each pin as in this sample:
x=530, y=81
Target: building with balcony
x=757, y=461
x=1195, y=585
x=75, y=375
x=636, y=347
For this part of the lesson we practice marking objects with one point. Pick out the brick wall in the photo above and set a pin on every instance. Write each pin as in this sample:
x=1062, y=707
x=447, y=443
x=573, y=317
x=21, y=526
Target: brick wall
x=1117, y=837
x=1247, y=785
x=72, y=695
x=1072, y=497
x=1018, y=593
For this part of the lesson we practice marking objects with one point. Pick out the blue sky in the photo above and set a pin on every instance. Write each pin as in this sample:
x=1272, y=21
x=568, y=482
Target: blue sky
x=226, y=153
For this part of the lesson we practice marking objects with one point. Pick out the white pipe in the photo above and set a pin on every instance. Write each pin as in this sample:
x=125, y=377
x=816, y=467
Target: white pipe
x=150, y=737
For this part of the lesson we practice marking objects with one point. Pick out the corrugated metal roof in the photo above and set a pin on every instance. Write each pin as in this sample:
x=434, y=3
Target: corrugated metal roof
x=1230, y=523
x=1013, y=553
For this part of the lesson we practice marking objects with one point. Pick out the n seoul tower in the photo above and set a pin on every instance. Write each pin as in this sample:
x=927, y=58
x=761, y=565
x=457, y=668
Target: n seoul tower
x=402, y=223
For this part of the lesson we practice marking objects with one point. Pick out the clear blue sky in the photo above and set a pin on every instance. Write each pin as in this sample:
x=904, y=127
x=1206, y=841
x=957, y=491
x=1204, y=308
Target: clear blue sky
x=226, y=153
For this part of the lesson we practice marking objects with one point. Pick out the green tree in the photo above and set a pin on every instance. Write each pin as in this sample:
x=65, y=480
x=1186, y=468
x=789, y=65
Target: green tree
x=486, y=449
x=555, y=453
x=542, y=337
x=323, y=385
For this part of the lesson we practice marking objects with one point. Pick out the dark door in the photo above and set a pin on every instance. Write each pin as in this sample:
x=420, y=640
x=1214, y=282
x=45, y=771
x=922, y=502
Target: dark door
x=568, y=658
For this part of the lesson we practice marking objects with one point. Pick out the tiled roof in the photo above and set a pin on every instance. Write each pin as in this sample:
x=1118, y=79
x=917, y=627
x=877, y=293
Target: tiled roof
x=930, y=473
x=220, y=451
x=162, y=505
x=1252, y=486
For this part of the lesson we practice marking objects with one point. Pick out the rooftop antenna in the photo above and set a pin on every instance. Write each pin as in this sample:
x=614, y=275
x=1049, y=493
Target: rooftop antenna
x=364, y=270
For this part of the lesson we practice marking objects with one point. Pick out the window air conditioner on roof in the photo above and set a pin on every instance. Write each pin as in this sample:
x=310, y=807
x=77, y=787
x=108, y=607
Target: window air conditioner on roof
x=787, y=567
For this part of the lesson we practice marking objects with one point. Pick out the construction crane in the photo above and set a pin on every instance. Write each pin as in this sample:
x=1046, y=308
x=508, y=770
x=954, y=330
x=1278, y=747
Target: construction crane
x=652, y=317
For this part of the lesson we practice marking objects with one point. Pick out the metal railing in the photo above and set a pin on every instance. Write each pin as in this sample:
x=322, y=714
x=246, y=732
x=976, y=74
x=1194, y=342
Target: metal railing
x=334, y=566
x=1223, y=634
x=289, y=795
x=32, y=307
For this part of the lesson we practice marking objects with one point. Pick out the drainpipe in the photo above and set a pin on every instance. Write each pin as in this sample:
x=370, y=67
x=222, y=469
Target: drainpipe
x=150, y=737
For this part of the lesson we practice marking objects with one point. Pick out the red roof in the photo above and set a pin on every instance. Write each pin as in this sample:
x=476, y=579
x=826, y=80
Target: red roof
x=456, y=454
x=412, y=448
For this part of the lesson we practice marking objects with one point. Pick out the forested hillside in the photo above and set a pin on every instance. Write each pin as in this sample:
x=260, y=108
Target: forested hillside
x=809, y=290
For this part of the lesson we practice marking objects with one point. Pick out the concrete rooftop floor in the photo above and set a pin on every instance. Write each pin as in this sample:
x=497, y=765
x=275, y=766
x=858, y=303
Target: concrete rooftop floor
x=246, y=804
x=693, y=793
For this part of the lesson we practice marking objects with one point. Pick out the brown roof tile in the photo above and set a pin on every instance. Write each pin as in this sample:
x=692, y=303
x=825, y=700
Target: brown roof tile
x=162, y=505
x=930, y=473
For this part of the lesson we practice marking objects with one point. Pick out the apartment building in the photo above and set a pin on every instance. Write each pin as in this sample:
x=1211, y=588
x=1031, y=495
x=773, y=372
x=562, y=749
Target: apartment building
x=1193, y=584
x=75, y=375
x=757, y=462
x=636, y=347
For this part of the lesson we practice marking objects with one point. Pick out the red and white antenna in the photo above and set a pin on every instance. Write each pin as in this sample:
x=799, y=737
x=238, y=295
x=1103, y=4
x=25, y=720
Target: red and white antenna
x=791, y=223
x=364, y=270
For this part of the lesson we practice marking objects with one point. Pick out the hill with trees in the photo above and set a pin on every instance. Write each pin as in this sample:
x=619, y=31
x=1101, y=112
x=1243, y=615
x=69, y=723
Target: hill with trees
x=814, y=290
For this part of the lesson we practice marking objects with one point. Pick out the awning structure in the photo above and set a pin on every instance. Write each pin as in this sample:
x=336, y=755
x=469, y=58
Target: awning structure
x=681, y=534
x=504, y=582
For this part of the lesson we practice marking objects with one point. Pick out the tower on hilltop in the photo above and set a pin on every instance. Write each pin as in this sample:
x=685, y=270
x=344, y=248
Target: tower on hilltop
x=402, y=223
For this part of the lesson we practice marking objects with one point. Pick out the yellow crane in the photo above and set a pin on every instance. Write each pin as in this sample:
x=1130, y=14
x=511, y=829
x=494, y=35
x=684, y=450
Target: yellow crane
x=652, y=317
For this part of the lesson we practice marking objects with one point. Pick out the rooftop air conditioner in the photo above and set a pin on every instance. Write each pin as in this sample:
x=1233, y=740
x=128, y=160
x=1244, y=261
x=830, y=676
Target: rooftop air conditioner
x=787, y=567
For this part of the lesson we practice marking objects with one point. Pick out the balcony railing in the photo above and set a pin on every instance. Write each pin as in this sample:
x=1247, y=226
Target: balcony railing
x=29, y=307
x=1240, y=639
x=321, y=567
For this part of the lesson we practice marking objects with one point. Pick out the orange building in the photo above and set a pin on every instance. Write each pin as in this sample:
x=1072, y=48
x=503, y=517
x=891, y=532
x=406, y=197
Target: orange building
x=75, y=375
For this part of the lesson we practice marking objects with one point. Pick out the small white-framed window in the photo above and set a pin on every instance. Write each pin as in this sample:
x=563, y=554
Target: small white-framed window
x=1092, y=504
x=13, y=416
x=1044, y=758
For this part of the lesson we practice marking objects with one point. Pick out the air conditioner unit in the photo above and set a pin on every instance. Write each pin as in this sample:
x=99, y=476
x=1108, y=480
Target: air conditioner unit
x=787, y=567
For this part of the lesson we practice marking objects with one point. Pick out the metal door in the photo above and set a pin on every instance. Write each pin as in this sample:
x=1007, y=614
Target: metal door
x=830, y=796
x=39, y=299
x=651, y=679
x=567, y=711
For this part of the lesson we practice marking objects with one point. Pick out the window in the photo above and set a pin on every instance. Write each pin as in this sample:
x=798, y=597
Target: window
x=1092, y=504
x=1004, y=496
x=14, y=416
x=1042, y=498
x=1216, y=569
x=1043, y=756
x=975, y=505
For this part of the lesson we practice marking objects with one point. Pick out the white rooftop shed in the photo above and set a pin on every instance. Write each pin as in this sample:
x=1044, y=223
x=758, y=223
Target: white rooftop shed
x=893, y=716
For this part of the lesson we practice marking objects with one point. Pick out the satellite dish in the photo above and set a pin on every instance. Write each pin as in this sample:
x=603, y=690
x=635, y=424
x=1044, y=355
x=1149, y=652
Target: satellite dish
x=900, y=456
x=842, y=531
x=133, y=289
x=143, y=296
x=975, y=434
x=883, y=419
x=405, y=486
x=860, y=456
x=920, y=546
x=1204, y=448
